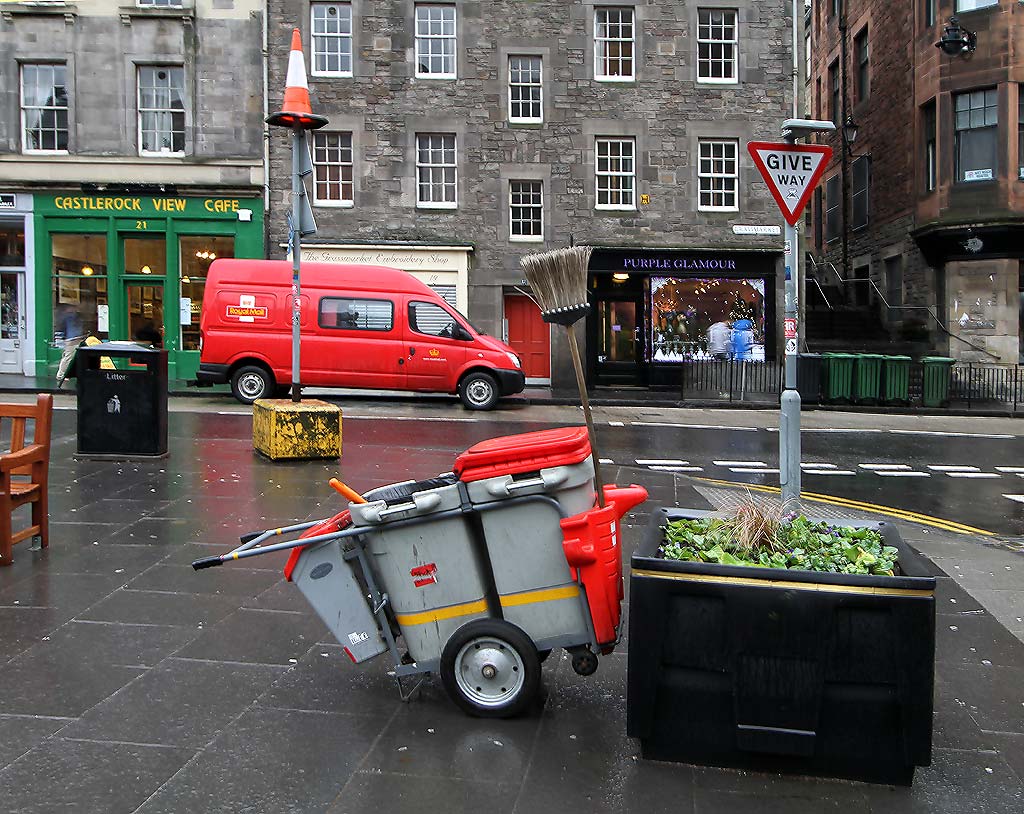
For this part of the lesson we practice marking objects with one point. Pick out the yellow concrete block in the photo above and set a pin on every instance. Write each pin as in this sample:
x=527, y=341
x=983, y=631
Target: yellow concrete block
x=287, y=430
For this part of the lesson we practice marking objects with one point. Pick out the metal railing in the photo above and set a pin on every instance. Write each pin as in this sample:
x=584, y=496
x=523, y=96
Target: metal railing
x=972, y=385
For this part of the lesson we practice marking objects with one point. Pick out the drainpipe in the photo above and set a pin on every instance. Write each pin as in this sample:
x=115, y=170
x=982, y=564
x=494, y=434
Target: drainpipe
x=266, y=128
x=844, y=150
x=796, y=63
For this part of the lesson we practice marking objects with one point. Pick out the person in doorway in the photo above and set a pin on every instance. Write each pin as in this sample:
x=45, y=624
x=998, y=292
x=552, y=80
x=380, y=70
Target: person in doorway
x=720, y=341
x=149, y=334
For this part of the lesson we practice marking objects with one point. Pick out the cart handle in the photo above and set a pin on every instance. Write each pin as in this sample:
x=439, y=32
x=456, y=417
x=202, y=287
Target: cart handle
x=346, y=491
x=207, y=562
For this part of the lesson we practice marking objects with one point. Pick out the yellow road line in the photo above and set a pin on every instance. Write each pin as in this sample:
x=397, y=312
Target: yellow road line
x=782, y=583
x=480, y=606
x=903, y=514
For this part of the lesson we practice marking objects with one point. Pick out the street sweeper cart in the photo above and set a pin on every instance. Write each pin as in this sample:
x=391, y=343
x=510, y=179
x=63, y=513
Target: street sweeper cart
x=476, y=574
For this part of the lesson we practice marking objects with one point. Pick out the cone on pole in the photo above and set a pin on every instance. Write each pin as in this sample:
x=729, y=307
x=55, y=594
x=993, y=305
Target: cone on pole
x=296, y=110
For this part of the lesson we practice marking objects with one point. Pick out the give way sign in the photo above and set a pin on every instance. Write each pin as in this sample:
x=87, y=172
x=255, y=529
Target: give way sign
x=792, y=171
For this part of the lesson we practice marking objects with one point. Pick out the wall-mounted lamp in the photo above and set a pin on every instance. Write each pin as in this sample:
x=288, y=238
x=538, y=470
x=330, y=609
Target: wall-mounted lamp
x=850, y=130
x=956, y=40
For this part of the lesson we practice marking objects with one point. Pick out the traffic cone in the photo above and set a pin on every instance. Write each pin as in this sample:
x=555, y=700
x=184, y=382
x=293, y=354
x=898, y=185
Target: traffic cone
x=296, y=110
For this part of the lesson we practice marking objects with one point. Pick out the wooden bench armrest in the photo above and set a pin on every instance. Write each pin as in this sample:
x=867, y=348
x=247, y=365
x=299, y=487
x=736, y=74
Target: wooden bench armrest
x=23, y=457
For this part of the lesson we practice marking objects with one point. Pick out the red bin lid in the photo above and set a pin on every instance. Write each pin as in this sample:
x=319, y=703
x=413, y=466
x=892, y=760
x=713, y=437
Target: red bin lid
x=526, y=452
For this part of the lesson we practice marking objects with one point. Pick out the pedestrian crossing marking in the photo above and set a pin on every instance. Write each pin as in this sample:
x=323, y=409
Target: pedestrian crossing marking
x=945, y=468
x=1018, y=498
x=974, y=474
x=740, y=463
x=899, y=473
x=883, y=467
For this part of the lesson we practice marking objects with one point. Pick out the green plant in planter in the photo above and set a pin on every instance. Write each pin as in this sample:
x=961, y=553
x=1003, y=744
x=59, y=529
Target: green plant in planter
x=756, y=534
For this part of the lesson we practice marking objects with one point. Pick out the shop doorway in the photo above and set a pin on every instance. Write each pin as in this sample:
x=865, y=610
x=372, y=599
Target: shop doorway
x=12, y=321
x=145, y=311
x=619, y=358
x=530, y=337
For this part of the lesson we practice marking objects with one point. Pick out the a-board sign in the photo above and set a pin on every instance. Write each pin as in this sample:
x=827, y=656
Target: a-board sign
x=791, y=171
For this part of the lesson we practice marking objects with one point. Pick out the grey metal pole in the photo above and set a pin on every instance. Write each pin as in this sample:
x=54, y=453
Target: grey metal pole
x=789, y=423
x=298, y=145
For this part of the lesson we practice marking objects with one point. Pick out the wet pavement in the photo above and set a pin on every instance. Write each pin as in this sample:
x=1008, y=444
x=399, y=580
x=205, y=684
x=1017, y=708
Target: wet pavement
x=132, y=683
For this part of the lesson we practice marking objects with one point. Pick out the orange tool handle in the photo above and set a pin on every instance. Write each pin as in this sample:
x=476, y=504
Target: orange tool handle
x=343, y=490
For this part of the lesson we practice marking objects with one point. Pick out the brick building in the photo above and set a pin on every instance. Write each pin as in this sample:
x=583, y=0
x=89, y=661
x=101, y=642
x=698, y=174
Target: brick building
x=918, y=226
x=464, y=135
x=131, y=155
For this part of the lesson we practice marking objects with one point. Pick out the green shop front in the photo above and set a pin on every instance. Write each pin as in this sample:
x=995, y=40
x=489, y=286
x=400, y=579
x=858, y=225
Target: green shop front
x=133, y=267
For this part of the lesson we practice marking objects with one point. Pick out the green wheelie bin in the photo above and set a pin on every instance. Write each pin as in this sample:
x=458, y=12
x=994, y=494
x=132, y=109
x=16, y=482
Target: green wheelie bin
x=896, y=380
x=868, y=378
x=839, y=377
x=937, y=374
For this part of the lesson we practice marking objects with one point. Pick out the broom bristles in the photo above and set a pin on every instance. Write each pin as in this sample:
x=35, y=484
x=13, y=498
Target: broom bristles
x=559, y=278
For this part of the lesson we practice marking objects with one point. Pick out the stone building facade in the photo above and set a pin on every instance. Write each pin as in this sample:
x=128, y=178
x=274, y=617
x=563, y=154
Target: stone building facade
x=552, y=122
x=926, y=204
x=131, y=154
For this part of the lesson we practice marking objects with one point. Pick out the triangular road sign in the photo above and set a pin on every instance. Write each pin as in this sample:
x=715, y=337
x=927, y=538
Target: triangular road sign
x=792, y=171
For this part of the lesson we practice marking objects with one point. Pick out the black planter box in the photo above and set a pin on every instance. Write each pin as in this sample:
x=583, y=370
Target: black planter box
x=781, y=670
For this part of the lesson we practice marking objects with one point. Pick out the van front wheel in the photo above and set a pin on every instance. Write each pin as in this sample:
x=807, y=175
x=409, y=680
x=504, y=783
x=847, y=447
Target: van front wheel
x=479, y=391
x=250, y=383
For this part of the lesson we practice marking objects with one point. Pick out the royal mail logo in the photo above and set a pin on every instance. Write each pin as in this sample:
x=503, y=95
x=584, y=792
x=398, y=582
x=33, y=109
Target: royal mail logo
x=434, y=353
x=247, y=310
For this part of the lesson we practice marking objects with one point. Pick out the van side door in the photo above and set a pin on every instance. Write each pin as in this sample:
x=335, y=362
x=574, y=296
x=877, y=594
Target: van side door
x=357, y=343
x=435, y=349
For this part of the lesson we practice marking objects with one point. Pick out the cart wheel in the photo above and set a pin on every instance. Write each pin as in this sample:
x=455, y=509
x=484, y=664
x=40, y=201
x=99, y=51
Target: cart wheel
x=490, y=669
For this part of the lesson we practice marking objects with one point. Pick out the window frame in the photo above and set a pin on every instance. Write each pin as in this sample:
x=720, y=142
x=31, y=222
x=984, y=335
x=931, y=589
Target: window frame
x=512, y=206
x=598, y=174
x=992, y=129
x=833, y=204
x=713, y=176
x=25, y=149
x=421, y=204
x=314, y=36
x=835, y=97
x=414, y=323
x=340, y=203
x=929, y=13
x=143, y=153
x=929, y=122
x=320, y=314
x=735, y=43
x=862, y=56
x=864, y=193
x=1020, y=131
x=539, y=86
x=418, y=38
x=987, y=4
x=600, y=61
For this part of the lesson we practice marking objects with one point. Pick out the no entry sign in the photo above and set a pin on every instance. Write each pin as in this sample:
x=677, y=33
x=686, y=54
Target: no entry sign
x=792, y=171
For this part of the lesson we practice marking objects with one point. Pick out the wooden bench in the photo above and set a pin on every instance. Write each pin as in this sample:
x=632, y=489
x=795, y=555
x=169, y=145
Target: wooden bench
x=24, y=471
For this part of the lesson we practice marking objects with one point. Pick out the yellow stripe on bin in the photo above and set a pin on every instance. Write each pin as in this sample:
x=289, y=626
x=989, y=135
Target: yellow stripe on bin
x=781, y=583
x=546, y=595
x=470, y=608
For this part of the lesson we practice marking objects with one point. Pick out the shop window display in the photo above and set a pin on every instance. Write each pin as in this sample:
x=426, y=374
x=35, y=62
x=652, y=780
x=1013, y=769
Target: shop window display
x=700, y=319
x=197, y=253
x=79, y=287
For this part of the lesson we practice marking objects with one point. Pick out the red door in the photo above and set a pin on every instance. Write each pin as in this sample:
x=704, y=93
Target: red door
x=529, y=336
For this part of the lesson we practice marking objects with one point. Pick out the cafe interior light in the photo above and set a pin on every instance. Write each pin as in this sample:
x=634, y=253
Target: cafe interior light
x=186, y=279
x=206, y=255
x=146, y=270
x=87, y=270
x=620, y=277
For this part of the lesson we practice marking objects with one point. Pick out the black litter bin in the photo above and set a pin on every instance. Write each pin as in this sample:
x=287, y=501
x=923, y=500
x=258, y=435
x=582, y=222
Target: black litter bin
x=808, y=377
x=122, y=400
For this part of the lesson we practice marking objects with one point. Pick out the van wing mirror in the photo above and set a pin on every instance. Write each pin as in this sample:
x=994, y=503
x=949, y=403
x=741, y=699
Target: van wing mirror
x=462, y=334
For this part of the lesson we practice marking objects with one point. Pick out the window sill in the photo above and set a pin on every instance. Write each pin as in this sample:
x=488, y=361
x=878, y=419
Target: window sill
x=609, y=208
x=443, y=76
x=531, y=239
x=161, y=155
x=335, y=204
x=437, y=206
x=128, y=13
x=46, y=152
x=11, y=10
x=616, y=80
x=718, y=81
x=329, y=75
x=718, y=209
x=532, y=123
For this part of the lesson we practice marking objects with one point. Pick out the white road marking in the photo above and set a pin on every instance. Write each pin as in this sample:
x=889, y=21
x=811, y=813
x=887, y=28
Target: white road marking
x=899, y=474
x=1015, y=469
x=758, y=471
x=676, y=468
x=944, y=468
x=445, y=420
x=740, y=463
x=818, y=466
x=1018, y=498
x=974, y=474
x=606, y=461
x=235, y=412
x=616, y=424
x=883, y=467
x=660, y=462
x=690, y=426
x=838, y=429
x=829, y=472
x=952, y=434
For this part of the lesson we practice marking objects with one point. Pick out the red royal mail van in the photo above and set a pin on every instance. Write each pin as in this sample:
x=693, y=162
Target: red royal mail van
x=362, y=326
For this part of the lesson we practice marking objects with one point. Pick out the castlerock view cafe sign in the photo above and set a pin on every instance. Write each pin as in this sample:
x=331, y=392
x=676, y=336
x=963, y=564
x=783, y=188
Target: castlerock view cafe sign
x=146, y=205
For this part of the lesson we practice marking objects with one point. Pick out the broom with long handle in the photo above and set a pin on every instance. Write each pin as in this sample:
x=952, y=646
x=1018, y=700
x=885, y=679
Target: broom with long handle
x=559, y=281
